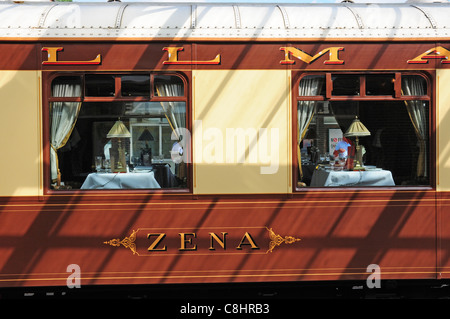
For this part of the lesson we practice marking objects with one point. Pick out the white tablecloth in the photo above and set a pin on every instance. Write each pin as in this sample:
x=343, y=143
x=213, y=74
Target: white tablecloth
x=322, y=177
x=120, y=181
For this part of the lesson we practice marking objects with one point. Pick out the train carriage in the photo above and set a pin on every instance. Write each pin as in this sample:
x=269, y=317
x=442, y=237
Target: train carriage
x=195, y=143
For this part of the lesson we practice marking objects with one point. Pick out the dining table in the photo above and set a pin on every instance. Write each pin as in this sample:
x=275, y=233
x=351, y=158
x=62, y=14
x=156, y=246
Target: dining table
x=369, y=177
x=130, y=180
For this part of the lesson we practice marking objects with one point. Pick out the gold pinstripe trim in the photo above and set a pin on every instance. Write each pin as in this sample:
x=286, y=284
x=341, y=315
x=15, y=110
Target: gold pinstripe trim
x=294, y=274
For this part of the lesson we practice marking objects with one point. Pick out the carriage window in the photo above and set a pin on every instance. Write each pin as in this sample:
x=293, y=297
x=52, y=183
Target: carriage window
x=414, y=85
x=380, y=84
x=100, y=85
x=67, y=86
x=357, y=141
x=162, y=89
x=346, y=84
x=136, y=85
x=312, y=85
x=128, y=142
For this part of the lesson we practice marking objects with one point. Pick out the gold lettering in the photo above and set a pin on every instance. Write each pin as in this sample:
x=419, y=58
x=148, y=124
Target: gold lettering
x=305, y=57
x=250, y=240
x=188, y=241
x=156, y=242
x=53, y=58
x=434, y=53
x=217, y=239
x=172, y=57
x=52, y=55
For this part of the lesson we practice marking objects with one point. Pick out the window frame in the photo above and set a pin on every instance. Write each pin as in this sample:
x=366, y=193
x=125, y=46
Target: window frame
x=429, y=77
x=50, y=76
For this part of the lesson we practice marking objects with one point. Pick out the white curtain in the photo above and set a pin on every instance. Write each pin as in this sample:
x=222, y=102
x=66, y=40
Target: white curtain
x=63, y=116
x=175, y=113
x=412, y=85
x=309, y=86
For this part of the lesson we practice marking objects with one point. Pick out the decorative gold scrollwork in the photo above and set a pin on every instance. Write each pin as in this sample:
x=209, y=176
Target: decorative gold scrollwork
x=277, y=240
x=127, y=242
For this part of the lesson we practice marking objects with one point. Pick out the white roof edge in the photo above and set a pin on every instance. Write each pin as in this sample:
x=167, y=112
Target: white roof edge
x=199, y=20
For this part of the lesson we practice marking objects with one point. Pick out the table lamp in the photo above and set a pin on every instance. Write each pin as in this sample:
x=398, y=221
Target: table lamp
x=313, y=150
x=146, y=153
x=356, y=130
x=117, y=151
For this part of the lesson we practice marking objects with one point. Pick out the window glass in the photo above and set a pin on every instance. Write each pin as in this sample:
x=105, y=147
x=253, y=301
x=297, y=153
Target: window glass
x=116, y=144
x=135, y=85
x=344, y=84
x=100, y=85
x=364, y=143
x=166, y=141
x=311, y=85
x=66, y=86
x=146, y=138
x=379, y=84
x=414, y=85
x=161, y=87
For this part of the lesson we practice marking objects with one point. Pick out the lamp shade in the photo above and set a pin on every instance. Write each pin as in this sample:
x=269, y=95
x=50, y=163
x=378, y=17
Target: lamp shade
x=119, y=130
x=357, y=129
x=146, y=136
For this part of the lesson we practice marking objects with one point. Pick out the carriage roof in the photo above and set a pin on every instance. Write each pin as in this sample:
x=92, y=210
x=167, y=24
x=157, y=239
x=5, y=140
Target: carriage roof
x=209, y=21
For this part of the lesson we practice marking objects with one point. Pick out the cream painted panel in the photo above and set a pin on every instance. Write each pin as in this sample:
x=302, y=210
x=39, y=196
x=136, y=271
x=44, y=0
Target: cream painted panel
x=233, y=104
x=443, y=130
x=20, y=132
